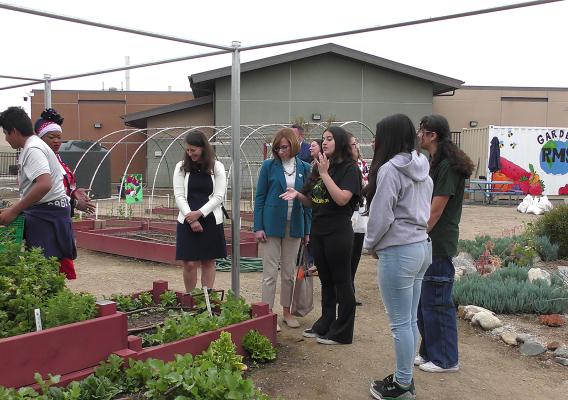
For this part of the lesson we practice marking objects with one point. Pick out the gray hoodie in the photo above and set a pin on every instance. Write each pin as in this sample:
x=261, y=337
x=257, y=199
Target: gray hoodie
x=400, y=209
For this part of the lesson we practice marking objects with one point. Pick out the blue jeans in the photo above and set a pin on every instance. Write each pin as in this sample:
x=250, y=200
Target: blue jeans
x=437, y=315
x=400, y=272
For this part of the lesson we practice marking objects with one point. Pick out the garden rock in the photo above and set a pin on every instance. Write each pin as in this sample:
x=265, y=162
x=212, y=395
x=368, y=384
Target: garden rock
x=562, y=361
x=554, y=345
x=561, y=352
x=552, y=320
x=532, y=349
x=486, y=320
x=523, y=337
x=537, y=273
x=510, y=338
x=498, y=331
x=464, y=264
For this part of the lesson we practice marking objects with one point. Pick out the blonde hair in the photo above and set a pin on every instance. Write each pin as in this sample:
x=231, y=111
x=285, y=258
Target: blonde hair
x=290, y=136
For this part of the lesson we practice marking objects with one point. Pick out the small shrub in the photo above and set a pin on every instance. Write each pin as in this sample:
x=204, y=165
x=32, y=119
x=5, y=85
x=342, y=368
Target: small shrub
x=144, y=300
x=67, y=307
x=259, y=347
x=124, y=302
x=546, y=250
x=554, y=224
x=507, y=291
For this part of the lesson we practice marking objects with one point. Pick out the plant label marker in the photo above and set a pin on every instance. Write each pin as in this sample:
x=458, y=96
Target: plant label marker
x=206, y=294
x=37, y=314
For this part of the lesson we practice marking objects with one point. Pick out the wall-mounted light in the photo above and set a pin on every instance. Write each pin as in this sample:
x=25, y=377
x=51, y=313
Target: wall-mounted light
x=472, y=124
x=316, y=117
x=98, y=125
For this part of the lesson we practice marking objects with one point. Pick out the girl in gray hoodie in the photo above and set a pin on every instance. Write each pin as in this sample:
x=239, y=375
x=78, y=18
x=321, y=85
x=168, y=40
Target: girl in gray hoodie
x=397, y=236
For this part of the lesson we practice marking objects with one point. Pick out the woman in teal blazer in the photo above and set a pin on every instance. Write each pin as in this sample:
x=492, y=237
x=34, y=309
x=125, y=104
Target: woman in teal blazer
x=281, y=225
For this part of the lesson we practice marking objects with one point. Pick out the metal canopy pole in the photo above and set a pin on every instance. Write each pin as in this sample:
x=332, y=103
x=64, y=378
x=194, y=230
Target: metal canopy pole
x=21, y=78
x=47, y=91
x=236, y=176
x=107, y=26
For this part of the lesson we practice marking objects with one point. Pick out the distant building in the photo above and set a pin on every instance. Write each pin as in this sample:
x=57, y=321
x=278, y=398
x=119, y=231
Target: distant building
x=92, y=114
x=473, y=106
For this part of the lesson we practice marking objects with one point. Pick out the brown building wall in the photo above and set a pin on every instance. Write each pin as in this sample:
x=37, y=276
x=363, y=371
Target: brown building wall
x=504, y=106
x=83, y=109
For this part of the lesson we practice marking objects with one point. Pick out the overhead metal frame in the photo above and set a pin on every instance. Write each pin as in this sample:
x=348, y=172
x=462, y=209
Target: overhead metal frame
x=235, y=49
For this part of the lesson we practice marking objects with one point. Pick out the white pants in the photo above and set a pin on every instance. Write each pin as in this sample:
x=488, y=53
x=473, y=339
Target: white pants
x=279, y=252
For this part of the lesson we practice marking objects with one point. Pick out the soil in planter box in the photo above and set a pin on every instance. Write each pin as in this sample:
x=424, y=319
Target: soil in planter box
x=148, y=319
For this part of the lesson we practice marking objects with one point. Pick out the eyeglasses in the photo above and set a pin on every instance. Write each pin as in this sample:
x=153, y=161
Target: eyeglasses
x=423, y=131
x=283, y=148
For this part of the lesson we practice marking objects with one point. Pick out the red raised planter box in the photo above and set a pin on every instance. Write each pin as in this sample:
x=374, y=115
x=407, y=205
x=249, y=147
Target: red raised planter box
x=63, y=350
x=104, y=240
x=75, y=350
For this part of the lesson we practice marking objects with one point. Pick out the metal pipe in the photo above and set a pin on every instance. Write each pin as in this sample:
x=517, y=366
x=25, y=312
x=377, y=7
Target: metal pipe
x=107, y=26
x=123, y=68
x=236, y=156
x=401, y=24
x=21, y=78
x=47, y=91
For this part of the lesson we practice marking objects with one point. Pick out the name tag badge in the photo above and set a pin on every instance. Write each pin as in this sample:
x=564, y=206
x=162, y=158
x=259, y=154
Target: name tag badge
x=300, y=175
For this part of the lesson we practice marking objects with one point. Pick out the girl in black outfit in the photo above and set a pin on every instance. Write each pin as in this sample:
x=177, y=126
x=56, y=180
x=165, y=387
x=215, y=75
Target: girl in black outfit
x=333, y=192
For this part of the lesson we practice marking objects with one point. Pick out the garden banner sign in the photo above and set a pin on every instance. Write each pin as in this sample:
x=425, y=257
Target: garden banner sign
x=133, y=188
x=534, y=159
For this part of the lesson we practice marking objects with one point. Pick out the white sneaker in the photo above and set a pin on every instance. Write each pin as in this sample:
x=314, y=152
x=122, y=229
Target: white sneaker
x=431, y=367
x=419, y=360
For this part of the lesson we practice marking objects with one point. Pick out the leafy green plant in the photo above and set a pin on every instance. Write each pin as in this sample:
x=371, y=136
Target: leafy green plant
x=145, y=300
x=521, y=255
x=222, y=353
x=259, y=347
x=199, y=298
x=168, y=299
x=67, y=307
x=123, y=302
x=554, y=225
x=507, y=291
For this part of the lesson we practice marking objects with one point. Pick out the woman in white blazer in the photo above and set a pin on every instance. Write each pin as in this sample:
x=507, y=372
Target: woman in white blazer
x=199, y=188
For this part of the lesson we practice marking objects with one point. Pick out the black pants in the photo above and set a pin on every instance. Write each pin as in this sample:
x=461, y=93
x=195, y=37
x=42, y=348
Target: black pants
x=358, y=239
x=332, y=255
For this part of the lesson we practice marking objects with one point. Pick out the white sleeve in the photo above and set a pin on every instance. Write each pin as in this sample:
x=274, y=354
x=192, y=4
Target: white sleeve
x=35, y=164
x=179, y=189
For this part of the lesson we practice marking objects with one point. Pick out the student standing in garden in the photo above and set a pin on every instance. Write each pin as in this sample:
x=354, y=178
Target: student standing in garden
x=398, y=195
x=199, y=188
x=43, y=201
x=333, y=192
x=48, y=129
x=359, y=218
x=449, y=168
x=281, y=225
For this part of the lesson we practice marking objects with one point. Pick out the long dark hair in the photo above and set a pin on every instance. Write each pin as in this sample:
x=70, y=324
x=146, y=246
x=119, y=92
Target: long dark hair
x=459, y=161
x=341, y=154
x=395, y=134
x=207, y=162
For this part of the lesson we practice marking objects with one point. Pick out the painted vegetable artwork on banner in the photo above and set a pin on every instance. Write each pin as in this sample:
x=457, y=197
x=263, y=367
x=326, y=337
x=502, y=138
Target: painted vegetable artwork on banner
x=133, y=188
x=534, y=159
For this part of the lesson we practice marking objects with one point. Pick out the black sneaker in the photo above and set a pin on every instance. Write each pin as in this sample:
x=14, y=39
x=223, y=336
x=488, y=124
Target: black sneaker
x=389, y=389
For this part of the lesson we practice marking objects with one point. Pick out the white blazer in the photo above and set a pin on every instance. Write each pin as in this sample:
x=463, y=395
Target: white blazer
x=180, y=183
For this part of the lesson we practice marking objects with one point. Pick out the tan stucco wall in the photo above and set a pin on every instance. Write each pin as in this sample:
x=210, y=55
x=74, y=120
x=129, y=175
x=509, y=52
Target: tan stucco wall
x=486, y=106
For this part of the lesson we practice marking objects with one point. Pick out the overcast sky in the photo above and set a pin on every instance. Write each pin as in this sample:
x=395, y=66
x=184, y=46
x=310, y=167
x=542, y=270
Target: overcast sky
x=525, y=47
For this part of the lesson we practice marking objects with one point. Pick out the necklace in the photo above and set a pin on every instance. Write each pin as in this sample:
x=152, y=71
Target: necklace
x=293, y=169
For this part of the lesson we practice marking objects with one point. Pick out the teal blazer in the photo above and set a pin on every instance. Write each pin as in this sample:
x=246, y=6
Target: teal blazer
x=270, y=211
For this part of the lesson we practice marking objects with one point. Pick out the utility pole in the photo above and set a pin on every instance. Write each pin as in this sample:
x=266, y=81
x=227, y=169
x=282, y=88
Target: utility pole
x=47, y=90
x=236, y=156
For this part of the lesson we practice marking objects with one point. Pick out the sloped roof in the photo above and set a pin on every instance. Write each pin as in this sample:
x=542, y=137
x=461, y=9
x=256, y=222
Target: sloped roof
x=140, y=119
x=202, y=83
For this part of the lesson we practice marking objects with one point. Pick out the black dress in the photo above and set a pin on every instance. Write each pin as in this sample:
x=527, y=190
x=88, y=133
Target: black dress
x=209, y=244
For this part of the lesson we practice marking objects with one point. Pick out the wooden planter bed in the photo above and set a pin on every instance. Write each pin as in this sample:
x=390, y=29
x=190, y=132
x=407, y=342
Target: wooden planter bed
x=75, y=350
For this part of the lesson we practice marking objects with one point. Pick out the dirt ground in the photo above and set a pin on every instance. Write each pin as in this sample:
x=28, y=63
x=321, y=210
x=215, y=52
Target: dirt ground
x=489, y=369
